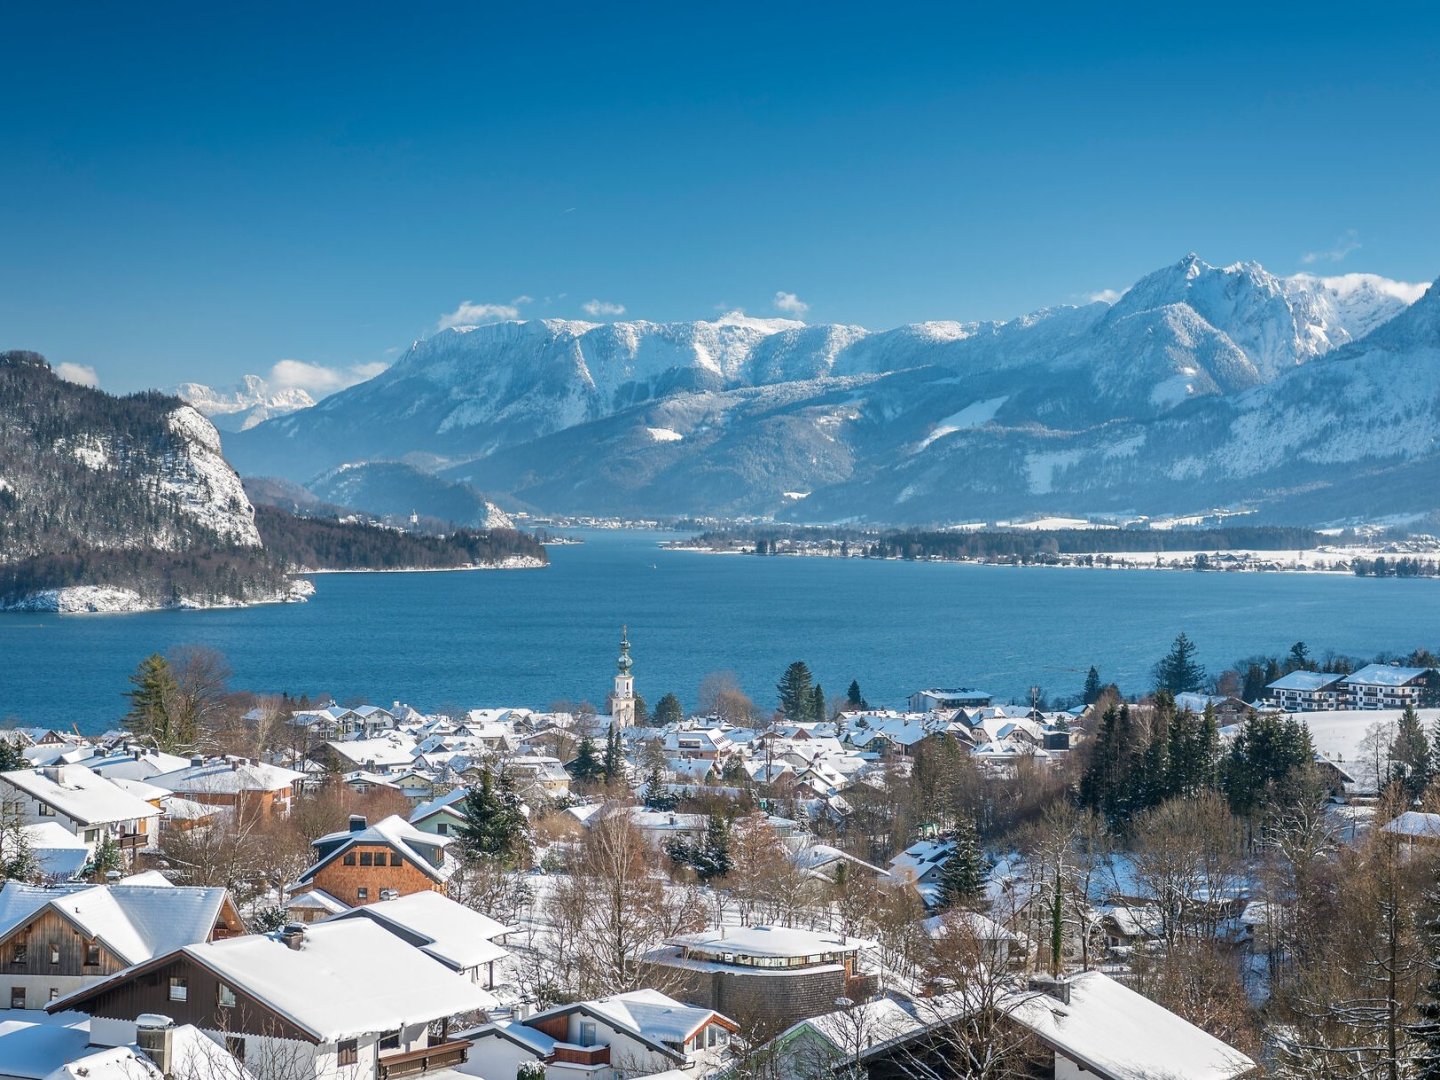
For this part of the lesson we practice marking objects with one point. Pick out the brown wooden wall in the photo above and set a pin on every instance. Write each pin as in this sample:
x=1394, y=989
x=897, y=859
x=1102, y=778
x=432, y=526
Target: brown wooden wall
x=50, y=929
x=342, y=881
x=149, y=992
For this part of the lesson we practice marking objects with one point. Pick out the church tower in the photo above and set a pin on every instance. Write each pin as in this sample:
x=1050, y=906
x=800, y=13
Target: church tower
x=622, y=698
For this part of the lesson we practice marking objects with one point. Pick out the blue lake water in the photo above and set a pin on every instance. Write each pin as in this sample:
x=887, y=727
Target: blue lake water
x=528, y=638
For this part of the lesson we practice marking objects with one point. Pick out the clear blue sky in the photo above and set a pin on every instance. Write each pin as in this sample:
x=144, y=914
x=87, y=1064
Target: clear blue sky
x=193, y=194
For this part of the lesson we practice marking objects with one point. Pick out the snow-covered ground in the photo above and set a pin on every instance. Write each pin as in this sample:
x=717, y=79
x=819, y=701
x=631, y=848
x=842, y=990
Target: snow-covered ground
x=105, y=599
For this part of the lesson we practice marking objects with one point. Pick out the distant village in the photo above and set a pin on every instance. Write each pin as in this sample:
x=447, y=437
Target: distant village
x=1123, y=889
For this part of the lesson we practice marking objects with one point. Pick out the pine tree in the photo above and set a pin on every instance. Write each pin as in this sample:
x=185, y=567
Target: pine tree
x=796, y=691
x=817, y=705
x=1411, y=753
x=613, y=765
x=495, y=824
x=10, y=757
x=668, y=711
x=854, y=700
x=1179, y=672
x=1254, y=688
x=1091, y=693
x=1299, y=658
x=963, y=877
x=657, y=797
x=586, y=766
x=152, y=703
x=642, y=712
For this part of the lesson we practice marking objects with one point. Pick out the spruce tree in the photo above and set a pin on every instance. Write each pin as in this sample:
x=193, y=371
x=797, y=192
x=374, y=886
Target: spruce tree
x=854, y=700
x=817, y=705
x=152, y=703
x=962, y=878
x=668, y=711
x=796, y=691
x=586, y=766
x=495, y=826
x=1411, y=754
x=1091, y=693
x=657, y=797
x=10, y=756
x=1179, y=672
x=613, y=765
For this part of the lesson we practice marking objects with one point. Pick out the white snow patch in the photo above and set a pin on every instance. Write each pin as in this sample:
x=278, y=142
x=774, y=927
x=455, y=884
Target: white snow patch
x=796, y=495
x=1043, y=469
x=93, y=456
x=664, y=434
x=973, y=415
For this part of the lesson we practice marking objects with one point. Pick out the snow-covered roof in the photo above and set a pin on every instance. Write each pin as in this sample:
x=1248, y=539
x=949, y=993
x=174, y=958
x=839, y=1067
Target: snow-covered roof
x=80, y=795
x=1414, y=824
x=1384, y=675
x=134, y=764
x=60, y=853
x=316, y=900
x=34, y=1050
x=778, y=941
x=452, y=933
x=135, y=922
x=1305, y=681
x=227, y=776
x=861, y=1029
x=398, y=834
x=1117, y=1034
x=347, y=978
x=388, y=750
x=448, y=801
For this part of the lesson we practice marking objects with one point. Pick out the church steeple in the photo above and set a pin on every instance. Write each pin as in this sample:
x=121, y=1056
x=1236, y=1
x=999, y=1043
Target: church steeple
x=622, y=698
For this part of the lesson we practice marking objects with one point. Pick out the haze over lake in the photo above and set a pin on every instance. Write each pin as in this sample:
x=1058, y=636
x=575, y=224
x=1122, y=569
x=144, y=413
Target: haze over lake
x=528, y=638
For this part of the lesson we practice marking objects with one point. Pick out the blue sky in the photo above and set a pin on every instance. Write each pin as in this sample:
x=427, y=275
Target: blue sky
x=195, y=195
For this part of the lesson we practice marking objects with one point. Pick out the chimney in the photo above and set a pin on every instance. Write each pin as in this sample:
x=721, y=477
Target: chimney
x=1057, y=986
x=112, y=876
x=293, y=935
x=197, y=761
x=358, y=823
x=51, y=773
x=153, y=1035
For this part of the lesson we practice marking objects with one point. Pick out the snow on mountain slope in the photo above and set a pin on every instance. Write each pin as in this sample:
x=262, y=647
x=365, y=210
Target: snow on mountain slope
x=249, y=402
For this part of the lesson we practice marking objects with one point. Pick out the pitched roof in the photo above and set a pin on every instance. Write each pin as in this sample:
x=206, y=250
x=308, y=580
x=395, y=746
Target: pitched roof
x=1305, y=681
x=398, y=834
x=227, y=776
x=450, y=932
x=1384, y=675
x=135, y=922
x=80, y=795
x=328, y=987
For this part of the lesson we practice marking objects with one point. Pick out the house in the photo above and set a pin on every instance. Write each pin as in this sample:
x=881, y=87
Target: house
x=1389, y=686
x=1226, y=708
x=920, y=866
x=464, y=940
x=343, y=1000
x=1307, y=691
x=640, y=1033
x=392, y=753
x=57, y=1048
x=244, y=785
x=969, y=932
x=1096, y=1027
x=87, y=806
x=59, y=854
x=443, y=815
x=366, y=863
x=946, y=700
x=1412, y=830
x=56, y=940
x=830, y=863
x=765, y=974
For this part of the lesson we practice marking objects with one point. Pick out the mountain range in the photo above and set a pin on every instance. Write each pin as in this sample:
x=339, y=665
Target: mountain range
x=1304, y=398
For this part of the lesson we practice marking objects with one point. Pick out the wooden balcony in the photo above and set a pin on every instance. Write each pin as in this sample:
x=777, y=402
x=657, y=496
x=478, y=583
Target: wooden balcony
x=444, y=1055
x=571, y=1054
x=132, y=841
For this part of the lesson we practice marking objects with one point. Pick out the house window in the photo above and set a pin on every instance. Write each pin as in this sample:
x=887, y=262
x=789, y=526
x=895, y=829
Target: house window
x=45, y=810
x=17, y=997
x=179, y=988
x=394, y=858
x=350, y=858
x=91, y=835
x=443, y=829
x=390, y=1041
x=235, y=1046
x=348, y=1052
x=92, y=954
x=365, y=858
x=54, y=954
x=362, y=893
x=54, y=994
x=587, y=1033
x=225, y=996
x=21, y=953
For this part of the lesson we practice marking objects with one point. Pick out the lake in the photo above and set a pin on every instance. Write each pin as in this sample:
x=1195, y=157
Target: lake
x=529, y=638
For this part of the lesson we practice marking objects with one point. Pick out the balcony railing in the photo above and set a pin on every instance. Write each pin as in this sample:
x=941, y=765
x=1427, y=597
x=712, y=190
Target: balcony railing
x=444, y=1055
x=571, y=1054
x=132, y=841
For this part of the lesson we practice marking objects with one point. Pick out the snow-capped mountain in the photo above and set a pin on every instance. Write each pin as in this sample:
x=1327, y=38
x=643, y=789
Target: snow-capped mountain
x=392, y=489
x=920, y=423
x=249, y=402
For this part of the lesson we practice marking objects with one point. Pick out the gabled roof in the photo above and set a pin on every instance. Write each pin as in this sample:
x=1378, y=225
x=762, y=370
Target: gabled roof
x=80, y=795
x=648, y=1015
x=1413, y=823
x=1308, y=681
x=227, y=776
x=450, y=932
x=393, y=831
x=1385, y=675
x=347, y=978
x=134, y=922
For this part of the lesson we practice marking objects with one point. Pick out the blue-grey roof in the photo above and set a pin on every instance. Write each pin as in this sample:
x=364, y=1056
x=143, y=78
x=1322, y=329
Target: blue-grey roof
x=1305, y=680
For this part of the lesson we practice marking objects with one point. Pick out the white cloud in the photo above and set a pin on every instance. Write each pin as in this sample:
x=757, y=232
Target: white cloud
x=1105, y=296
x=83, y=374
x=1345, y=244
x=596, y=308
x=470, y=313
x=318, y=380
x=791, y=304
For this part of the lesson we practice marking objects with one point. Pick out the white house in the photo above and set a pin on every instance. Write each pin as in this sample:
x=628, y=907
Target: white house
x=88, y=806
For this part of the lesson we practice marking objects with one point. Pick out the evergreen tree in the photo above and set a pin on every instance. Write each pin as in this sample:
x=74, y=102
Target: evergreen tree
x=1267, y=750
x=668, y=711
x=817, y=705
x=1091, y=693
x=642, y=712
x=657, y=797
x=963, y=877
x=495, y=824
x=107, y=857
x=152, y=704
x=854, y=700
x=1179, y=672
x=1299, y=658
x=612, y=768
x=1254, y=688
x=10, y=756
x=797, y=694
x=1426, y=1030
x=710, y=857
x=1411, y=753
x=17, y=858
x=586, y=766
